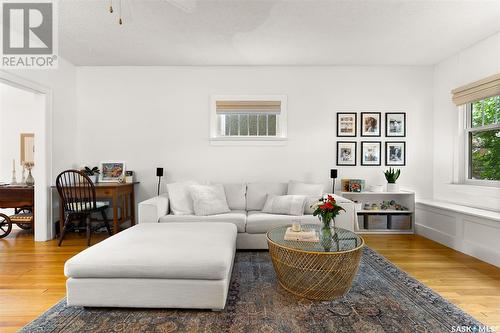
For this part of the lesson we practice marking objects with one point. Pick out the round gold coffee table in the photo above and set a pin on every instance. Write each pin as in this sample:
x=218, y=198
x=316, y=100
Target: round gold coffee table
x=308, y=270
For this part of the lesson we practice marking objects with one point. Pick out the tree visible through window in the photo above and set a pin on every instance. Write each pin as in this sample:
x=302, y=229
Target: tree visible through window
x=484, y=139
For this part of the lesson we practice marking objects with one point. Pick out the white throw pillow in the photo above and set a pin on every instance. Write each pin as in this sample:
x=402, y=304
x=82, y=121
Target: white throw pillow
x=236, y=195
x=180, y=198
x=209, y=199
x=285, y=204
x=300, y=188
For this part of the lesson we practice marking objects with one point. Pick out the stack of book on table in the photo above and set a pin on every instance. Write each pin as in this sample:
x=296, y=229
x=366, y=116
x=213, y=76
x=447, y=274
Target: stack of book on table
x=303, y=235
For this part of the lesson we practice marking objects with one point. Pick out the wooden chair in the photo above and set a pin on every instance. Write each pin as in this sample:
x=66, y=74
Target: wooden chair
x=77, y=193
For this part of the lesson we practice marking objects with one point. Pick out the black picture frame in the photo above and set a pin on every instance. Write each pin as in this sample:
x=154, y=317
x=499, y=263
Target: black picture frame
x=379, y=143
x=339, y=163
x=362, y=127
x=387, y=155
x=340, y=135
x=387, y=124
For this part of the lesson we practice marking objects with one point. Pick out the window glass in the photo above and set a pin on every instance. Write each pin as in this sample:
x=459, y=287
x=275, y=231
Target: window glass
x=484, y=139
x=252, y=124
x=271, y=127
x=244, y=124
x=485, y=112
x=485, y=155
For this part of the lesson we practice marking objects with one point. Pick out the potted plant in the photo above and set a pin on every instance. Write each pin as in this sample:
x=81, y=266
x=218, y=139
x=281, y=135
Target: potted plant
x=392, y=175
x=93, y=173
x=326, y=209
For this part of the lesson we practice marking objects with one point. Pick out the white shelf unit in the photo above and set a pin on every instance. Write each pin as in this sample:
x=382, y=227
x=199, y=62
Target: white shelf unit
x=404, y=198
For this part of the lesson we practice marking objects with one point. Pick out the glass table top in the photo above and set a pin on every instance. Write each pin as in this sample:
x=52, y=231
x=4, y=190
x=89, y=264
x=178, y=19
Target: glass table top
x=342, y=241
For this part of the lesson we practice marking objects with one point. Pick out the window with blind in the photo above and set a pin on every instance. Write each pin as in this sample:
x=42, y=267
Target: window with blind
x=248, y=118
x=480, y=103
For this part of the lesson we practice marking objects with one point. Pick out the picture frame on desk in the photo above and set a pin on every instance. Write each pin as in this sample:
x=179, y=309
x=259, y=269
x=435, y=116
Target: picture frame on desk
x=112, y=171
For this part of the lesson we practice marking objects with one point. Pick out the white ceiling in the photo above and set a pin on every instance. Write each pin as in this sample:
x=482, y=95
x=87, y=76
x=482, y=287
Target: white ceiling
x=272, y=32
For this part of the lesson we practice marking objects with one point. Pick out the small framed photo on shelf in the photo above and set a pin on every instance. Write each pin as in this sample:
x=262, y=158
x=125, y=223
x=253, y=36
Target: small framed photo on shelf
x=370, y=152
x=112, y=171
x=346, y=153
x=370, y=123
x=395, y=124
x=395, y=153
x=346, y=124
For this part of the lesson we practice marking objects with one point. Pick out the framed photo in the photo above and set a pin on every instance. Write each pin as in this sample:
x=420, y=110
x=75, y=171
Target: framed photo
x=111, y=171
x=346, y=153
x=370, y=123
x=370, y=152
x=395, y=153
x=346, y=124
x=395, y=124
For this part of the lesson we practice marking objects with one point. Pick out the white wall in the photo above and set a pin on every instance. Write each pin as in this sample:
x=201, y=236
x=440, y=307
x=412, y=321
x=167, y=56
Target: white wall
x=21, y=111
x=159, y=116
x=471, y=64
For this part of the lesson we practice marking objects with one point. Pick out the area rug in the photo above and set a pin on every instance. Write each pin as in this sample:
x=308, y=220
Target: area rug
x=382, y=299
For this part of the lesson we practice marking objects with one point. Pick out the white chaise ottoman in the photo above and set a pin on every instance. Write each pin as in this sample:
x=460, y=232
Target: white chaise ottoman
x=156, y=265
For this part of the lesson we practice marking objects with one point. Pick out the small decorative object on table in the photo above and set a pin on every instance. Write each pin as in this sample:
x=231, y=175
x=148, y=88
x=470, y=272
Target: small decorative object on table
x=93, y=173
x=30, y=181
x=326, y=209
x=301, y=236
x=296, y=225
x=129, y=176
x=14, y=180
x=356, y=185
x=392, y=175
x=377, y=188
x=112, y=171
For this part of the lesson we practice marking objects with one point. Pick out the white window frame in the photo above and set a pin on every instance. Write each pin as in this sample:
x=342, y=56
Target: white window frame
x=465, y=124
x=281, y=130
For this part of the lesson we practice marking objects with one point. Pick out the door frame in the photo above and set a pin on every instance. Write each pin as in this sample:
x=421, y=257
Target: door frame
x=44, y=228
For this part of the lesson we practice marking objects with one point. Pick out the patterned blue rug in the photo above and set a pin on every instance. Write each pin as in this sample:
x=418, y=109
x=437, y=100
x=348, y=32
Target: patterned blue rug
x=382, y=299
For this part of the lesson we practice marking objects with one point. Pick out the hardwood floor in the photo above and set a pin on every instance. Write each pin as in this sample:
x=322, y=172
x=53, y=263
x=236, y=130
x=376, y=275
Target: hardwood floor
x=32, y=280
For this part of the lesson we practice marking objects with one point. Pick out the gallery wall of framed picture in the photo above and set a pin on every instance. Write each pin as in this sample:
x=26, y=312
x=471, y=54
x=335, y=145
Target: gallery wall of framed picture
x=370, y=125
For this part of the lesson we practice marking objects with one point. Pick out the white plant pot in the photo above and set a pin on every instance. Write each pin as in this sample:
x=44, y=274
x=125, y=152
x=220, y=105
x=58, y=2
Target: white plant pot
x=392, y=187
x=94, y=178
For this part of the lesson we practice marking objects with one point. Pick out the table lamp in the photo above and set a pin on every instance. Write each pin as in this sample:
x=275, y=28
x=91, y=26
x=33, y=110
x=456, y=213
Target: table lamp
x=333, y=176
x=159, y=174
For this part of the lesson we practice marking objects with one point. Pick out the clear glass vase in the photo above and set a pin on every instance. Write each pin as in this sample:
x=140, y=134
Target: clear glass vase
x=327, y=233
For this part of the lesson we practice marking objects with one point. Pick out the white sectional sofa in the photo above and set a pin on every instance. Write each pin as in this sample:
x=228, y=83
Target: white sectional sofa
x=246, y=201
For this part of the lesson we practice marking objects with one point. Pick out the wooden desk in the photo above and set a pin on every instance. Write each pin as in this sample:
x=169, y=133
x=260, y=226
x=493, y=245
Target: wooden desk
x=121, y=195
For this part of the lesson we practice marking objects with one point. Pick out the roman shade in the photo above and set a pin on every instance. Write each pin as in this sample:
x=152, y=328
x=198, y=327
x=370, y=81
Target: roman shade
x=235, y=107
x=478, y=90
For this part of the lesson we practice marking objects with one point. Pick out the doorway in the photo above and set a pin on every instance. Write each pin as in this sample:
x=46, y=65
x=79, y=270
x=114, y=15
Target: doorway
x=25, y=118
